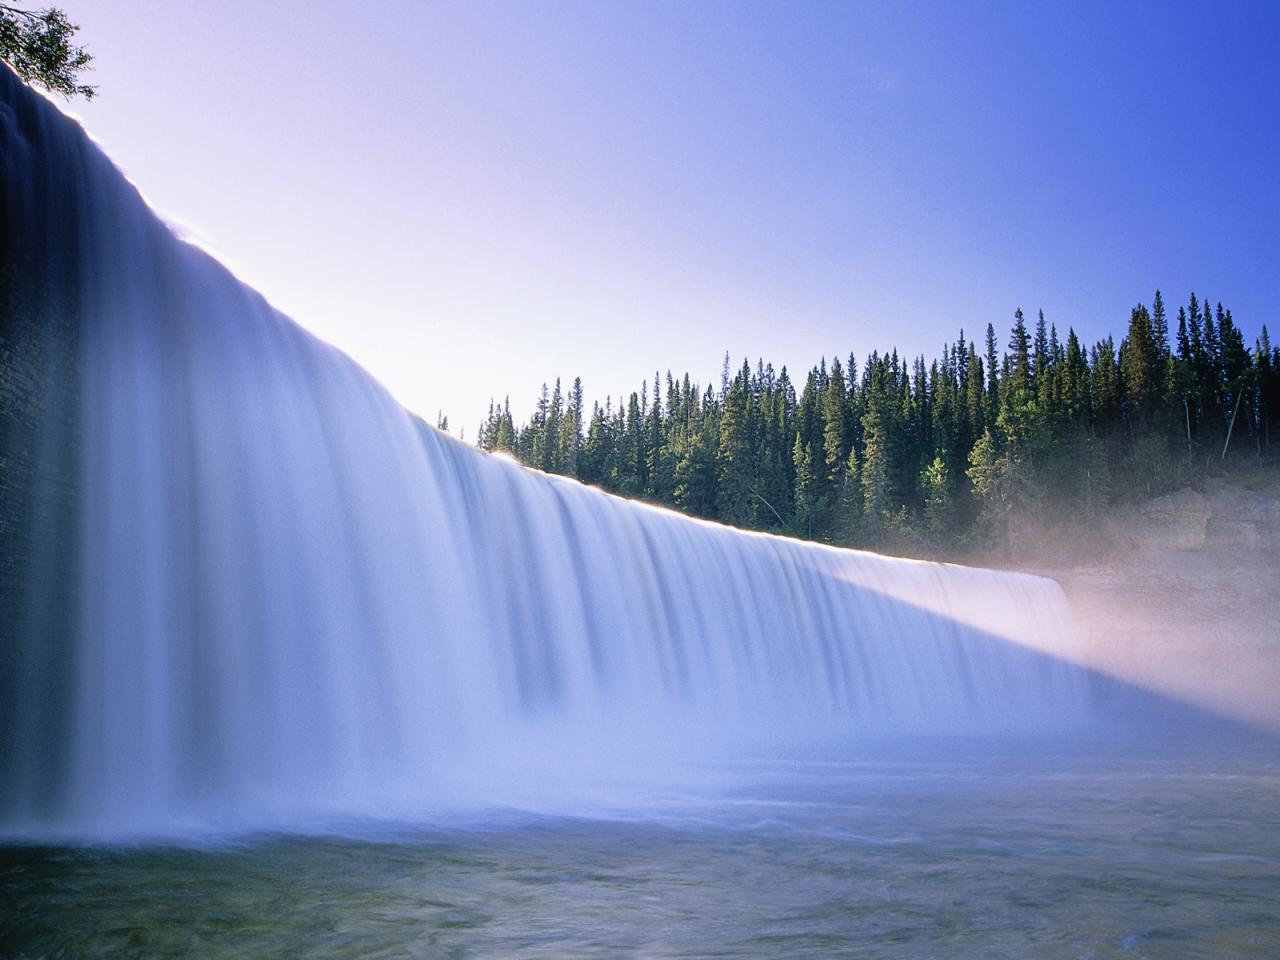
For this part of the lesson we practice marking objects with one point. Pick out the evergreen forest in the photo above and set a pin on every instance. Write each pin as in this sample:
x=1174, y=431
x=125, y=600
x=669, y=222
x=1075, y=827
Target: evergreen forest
x=926, y=455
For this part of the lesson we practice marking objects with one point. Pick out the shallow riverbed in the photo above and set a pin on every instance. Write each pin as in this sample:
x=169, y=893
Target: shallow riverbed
x=1093, y=849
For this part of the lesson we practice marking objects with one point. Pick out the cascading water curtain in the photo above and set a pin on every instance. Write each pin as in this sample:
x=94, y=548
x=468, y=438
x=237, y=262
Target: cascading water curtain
x=244, y=586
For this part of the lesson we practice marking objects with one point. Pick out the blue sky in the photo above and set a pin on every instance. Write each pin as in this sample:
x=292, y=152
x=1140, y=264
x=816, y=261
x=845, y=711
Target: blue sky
x=471, y=198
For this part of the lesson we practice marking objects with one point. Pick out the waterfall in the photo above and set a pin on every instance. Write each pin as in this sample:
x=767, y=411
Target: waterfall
x=242, y=584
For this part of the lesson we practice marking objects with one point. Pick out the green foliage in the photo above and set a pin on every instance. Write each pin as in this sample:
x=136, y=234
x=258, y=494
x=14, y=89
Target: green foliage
x=877, y=492
x=807, y=517
x=935, y=488
x=1159, y=470
x=920, y=456
x=736, y=456
x=38, y=45
x=1141, y=361
x=987, y=473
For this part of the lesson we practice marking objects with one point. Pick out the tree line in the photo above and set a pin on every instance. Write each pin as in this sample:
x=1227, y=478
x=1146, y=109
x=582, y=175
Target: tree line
x=942, y=454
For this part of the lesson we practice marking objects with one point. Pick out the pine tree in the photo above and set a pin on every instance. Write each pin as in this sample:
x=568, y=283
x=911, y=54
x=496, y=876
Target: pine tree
x=1075, y=382
x=630, y=466
x=811, y=474
x=1210, y=375
x=734, y=458
x=877, y=460
x=1042, y=427
x=993, y=383
x=777, y=478
x=1020, y=345
x=805, y=511
x=659, y=471
x=877, y=502
x=1042, y=358
x=551, y=432
x=986, y=474
x=974, y=396
x=935, y=485
x=571, y=431
x=1105, y=383
x=1141, y=370
x=504, y=437
x=534, y=440
x=1159, y=327
x=695, y=471
x=836, y=434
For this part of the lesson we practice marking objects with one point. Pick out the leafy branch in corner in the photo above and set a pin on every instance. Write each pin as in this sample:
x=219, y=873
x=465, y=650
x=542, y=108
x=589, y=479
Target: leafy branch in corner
x=38, y=45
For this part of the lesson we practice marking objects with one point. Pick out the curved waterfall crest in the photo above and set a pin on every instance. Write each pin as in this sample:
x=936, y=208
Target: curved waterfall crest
x=245, y=583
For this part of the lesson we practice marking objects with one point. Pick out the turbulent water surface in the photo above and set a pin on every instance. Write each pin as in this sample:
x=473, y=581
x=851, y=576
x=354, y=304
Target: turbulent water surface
x=925, y=850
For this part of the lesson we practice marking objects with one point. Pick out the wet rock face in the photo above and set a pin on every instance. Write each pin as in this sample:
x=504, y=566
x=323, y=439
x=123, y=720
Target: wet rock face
x=1245, y=534
x=1228, y=516
x=1176, y=521
x=1244, y=520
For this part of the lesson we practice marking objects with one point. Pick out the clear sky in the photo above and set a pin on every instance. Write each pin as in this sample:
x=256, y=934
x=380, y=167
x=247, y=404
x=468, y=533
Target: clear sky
x=473, y=198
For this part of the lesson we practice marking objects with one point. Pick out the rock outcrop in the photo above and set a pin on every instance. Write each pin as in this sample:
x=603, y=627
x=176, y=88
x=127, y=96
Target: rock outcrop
x=1176, y=521
x=1182, y=594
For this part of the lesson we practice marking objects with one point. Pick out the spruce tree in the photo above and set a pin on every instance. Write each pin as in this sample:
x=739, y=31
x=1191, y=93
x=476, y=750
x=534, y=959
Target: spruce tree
x=855, y=460
x=1141, y=371
x=993, y=382
x=975, y=397
x=695, y=471
x=986, y=475
x=836, y=434
x=877, y=504
x=1075, y=382
x=805, y=503
x=1268, y=372
x=935, y=485
x=1042, y=357
x=1159, y=327
x=1105, y=384
x=571, y=431
x=1020, y=346
x=734, y=457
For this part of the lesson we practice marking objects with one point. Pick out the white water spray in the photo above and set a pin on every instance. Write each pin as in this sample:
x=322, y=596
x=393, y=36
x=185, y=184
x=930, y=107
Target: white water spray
x=294, y=599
